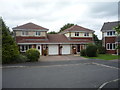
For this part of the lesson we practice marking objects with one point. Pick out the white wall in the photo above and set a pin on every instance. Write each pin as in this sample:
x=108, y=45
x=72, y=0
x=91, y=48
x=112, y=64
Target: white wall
x=81, y=34
x=67, y=34
x=30, y=33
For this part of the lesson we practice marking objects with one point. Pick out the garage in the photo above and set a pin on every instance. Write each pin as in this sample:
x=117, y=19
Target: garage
x=65, y=49
x=53, y=49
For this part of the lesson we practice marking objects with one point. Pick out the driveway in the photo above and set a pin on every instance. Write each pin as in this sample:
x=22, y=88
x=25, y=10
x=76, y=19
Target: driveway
x=61, y=58
x=62, y=73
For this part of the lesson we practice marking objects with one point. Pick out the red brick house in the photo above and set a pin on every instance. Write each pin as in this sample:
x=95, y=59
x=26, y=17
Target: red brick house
x=70, y=41
x=109, y=37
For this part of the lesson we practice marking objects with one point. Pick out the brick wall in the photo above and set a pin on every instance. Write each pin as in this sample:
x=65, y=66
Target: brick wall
x=110, y=40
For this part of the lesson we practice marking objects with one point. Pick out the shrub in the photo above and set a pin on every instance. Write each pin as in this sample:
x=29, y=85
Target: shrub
x=101, y=50
x=32, y=54
x=91, y=51
x=21, y=59
x=83, y=52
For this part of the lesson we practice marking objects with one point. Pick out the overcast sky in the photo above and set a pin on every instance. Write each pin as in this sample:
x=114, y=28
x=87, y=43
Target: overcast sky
x=53, y=14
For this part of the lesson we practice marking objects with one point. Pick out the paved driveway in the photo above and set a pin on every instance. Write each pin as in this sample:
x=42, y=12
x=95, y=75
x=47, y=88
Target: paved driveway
x=81, y=73
x=61, y=58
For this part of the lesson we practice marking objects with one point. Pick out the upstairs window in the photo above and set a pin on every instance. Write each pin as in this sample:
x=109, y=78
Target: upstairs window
x=76, y=33
x=24, y=33
x=111, y=33
x=86, y=34
x=38, y=33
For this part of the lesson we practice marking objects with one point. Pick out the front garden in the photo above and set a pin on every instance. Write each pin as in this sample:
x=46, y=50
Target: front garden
x=104, y=57
x=97, y=52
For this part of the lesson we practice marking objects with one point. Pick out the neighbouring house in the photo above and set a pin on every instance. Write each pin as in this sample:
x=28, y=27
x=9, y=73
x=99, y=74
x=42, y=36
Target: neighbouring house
x=109, y=37
x=70, y=41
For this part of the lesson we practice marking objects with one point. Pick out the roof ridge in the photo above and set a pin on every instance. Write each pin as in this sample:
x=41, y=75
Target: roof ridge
x=112, y=22
x=29, y=25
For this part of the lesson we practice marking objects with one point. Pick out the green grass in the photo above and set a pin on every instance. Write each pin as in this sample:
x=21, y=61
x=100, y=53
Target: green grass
x=104, y=57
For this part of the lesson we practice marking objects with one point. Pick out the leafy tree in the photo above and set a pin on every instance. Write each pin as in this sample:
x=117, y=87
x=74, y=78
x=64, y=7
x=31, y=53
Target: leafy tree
x=117, y=28
x=96, y=40
x=9, y=48
x=52, y=32
x=66, y=26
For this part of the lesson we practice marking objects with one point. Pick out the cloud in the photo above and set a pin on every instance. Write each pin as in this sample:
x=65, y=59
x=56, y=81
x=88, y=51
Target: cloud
x=54, y=14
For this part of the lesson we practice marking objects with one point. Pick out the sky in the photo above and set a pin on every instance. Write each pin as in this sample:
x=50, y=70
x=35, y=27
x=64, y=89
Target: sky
x=53, y=14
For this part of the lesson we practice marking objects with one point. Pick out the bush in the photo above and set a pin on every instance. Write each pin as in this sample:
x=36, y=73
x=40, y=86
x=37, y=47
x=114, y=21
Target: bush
x=21, y=59
x=91, y=51
x=83, y=52
x=32, y=54
x=101, y=50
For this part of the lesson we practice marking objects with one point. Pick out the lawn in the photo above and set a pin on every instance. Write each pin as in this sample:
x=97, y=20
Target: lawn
x=104, y=57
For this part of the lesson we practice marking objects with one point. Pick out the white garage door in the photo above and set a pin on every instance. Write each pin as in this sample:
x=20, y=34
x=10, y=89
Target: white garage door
x=65, y=49
x=53, y=50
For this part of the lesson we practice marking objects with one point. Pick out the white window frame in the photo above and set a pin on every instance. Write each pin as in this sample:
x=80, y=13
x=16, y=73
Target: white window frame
x=77, y=34
x=108, y=44
x=86, y=34
x=37, y=33
x=108, y=33
x=24, y=48
x=24, y=33
x=113, y=45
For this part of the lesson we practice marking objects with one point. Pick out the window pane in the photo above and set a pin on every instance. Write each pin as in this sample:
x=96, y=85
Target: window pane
x=22, y=32
x=30, y=46
x=38, y=47
x=113, y=45
x=26, y=47
x=110, y=45
x=22, y=47
x=107, y=33
x=37, y=33
x=26, y=32
x=87, y=34
x=113, y=32
x=110, y=32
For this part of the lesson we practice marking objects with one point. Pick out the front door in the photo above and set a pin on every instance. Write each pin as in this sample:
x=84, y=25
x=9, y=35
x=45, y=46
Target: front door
x=78, y=48
x=38, y=47
x=74, y=49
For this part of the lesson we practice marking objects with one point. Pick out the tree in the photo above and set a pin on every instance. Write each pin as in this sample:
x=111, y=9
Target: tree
x=9, y=48
x=96, y=40
x=52, y=32
x=117, y=29
x=66, y=26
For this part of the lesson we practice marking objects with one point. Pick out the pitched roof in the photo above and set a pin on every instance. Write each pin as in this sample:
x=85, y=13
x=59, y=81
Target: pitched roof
x=109, y=25
x=57, y=38
x=30, y=26
x=77, y=28
x=51, y=38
